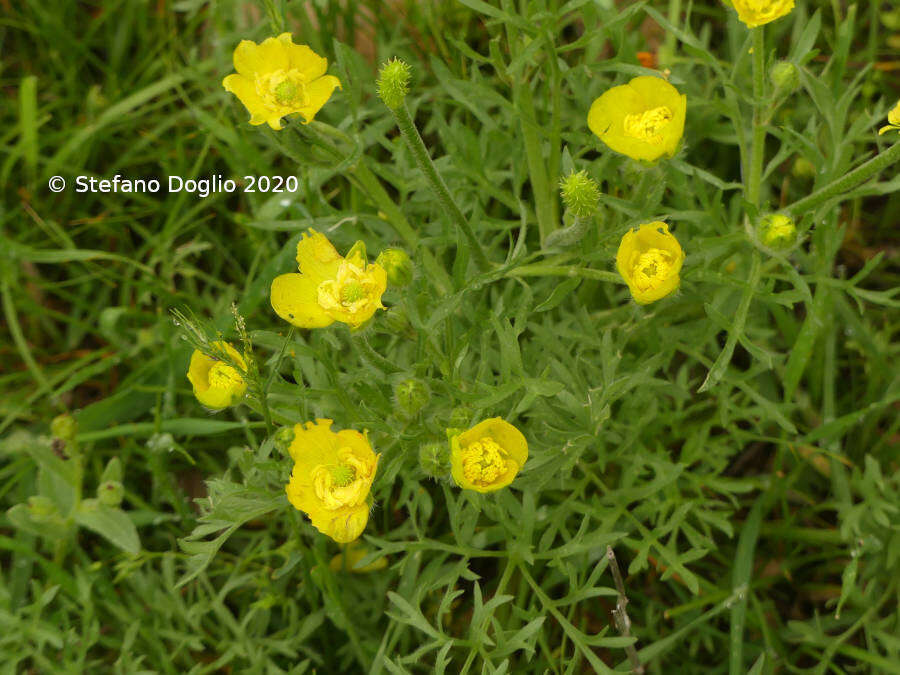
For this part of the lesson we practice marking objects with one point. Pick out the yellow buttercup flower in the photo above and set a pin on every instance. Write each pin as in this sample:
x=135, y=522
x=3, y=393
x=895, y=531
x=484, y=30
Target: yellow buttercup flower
x=488, y=456
x=649, y=259
x=758, y=12
x=277, y=78
x=329, y=287
x=332, y=476
x=893, y=120
x=643, y=119
x=216, y=384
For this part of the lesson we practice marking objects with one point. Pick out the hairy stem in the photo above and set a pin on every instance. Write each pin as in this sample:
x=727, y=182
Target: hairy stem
x=754, y=180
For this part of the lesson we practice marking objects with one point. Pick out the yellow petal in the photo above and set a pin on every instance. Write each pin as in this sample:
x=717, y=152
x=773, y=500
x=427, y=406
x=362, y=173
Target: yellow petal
x=304, y=59
x=317, y=257
x=318, y=93
x=251, y=59
x=293, y=297
x=245, y=90
x=314, y=443
x=506, y=436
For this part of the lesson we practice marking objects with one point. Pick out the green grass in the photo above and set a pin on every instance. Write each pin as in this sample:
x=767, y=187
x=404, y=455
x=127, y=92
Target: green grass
x=734, y=443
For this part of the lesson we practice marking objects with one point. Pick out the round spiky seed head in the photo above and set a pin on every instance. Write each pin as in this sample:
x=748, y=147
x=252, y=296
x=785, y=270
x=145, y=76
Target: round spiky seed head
x=777, y=231
x=434, y=458
x=580, y=194
x=393, y=82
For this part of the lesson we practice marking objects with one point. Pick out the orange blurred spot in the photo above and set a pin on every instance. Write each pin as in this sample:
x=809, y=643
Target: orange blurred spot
x=647, y=59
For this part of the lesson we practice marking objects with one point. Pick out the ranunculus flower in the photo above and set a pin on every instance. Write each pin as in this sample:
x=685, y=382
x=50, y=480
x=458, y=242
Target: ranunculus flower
x=488, y=456
x=758, y=12
x=643, y=119
x=649, y=259
x=216, y=384
x=277, y=78
x=332, y=476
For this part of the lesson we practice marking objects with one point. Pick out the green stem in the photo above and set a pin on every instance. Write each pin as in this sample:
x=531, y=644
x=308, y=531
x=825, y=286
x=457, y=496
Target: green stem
x=851, y=180
x=758, y=147
x=417, y=146
x=563, y=271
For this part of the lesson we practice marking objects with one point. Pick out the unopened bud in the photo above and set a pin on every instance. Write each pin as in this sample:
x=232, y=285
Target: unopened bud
x=110, y=493
x=41, y=508
x=785, y=76
x=397, y=265
x=283, y=439
x=803, y=168
x=393, y=83
x=411, y=396
x=64, y=426
x=460, y=417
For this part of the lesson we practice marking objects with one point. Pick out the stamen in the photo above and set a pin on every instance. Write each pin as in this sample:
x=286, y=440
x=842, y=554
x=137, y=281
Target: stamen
x=648, y=125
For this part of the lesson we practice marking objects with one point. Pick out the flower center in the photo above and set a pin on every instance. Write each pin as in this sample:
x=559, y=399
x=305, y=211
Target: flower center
x=350, y=291
x=651, y=268
x=483, y=461
x=282, y=88
x=222, y=376
x=648, y=125
x=342, y=484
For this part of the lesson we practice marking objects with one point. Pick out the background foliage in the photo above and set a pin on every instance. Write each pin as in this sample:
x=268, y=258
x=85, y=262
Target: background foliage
x=735, y=443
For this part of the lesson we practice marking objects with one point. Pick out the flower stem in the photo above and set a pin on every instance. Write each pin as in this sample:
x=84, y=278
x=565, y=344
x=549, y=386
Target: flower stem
x=754, y=180
x=417, y=146
x=859, y=175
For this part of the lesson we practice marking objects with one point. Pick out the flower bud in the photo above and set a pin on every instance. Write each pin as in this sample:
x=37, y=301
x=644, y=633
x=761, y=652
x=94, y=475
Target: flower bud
x=398, y=266
x=777, y=231
x=64, y=426
x=110, y=493
x=395, y=321
x=283, y=439
x=42, y=509
x=803, y=168
x=411, y=396
x=785, y=76
x=580, y=194
x=434, y=458
x=460, y=417
x=393, y=83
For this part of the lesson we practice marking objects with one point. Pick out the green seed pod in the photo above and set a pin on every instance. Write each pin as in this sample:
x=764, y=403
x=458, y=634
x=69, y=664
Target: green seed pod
x=398, y=266
x=393, y=83
x=785, y=76
x=283, y=439
x=777, y=231
x=64, y=426
x=580, y=194
x=411, y=396
x=110, y=493
x=434, y=458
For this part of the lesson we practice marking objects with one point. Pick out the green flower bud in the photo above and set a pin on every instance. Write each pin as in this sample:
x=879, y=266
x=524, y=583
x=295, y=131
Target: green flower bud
x=460, y=417
x=777, y=231
x=283, y=439
x=393, y=83
x=411, y=396
x=394, y=320
x=64, y=426
x=434, y=458
x=398, y=266
x=803, y=168
x=42, y=509
x=785, y=76
x=580, y=194
x=110, y=493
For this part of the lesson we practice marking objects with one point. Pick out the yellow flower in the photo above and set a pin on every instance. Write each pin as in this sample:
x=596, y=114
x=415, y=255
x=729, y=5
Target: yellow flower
x=643, y=119
x=329, y=287
x=758, y=12
x=649, y=259
x=277, y=78
x=893, y=120
x=332, y=476
x=216, y=384
x=488, y=456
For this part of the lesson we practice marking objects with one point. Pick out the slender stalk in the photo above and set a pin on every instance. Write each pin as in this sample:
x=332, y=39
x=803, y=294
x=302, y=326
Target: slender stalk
x=859, y=175
x=620, y=614
x=540, y=270
x=417, y=146
x=757, y=151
